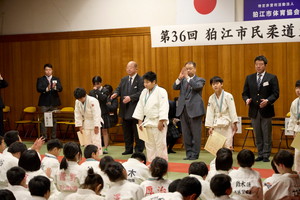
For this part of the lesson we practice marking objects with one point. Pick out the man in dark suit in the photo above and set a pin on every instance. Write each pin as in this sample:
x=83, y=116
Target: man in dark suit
x=49, y=86
x=3, y=84
x=261, y=90
x=129, y=91
x=190, y=108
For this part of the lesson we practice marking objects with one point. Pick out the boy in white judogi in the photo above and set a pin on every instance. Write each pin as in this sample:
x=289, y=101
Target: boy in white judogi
x=91, y=153
x=136, y=168
x=268, y=182
x=246, y=182
x=221, y=187
x=88, y=116
x=50, y=160
x=294, y=124
x=221, y=113
x=152, y=113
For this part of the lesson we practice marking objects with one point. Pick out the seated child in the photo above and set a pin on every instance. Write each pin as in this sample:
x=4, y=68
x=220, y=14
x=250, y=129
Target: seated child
x=39, y=188
x=91, y=154
x=220, y=185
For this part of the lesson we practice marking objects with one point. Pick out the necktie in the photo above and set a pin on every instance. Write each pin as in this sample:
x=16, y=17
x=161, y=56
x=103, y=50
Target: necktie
x=130, y=79
x=129, y=85
x=259, y=80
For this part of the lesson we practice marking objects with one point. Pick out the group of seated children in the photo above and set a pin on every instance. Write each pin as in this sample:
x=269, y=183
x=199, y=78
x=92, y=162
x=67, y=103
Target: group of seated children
x=24, y=175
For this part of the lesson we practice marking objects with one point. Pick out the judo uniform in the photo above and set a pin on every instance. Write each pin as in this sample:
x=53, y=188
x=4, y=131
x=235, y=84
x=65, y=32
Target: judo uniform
x=50, y=161
x=294, y=126
x=153, y=186
x=89, y=163
x=7, y=161
x=19, y=192
x=268, y=182
x=83, y=194
x=137, y=172
x=164, y=196
x=124, y=190
x=88, y=116
x=221, y=114
x=154, y=106
x=206, y=193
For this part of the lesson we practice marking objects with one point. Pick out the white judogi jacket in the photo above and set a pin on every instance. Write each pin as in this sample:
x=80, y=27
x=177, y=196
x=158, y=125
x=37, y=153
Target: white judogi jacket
x=164, y=196
x=106, y=182
x=242, y=180
x=124, y=190
x=84, y=194
x=7, y=161
x=224, y=197
x=137, y=172
x=153, y=186
x=19, y=192
x=50, y=161
x=88, y=114
x=212, y=173
x=292, y=126
x=206, y=193
x=154, y=106
x=89, y=163
x=228, y=111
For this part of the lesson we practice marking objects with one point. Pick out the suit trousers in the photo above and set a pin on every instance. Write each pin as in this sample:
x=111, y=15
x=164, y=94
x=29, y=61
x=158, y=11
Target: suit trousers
x=131, y=135
x=263, y=135
x=191, y=130
x=43, y=128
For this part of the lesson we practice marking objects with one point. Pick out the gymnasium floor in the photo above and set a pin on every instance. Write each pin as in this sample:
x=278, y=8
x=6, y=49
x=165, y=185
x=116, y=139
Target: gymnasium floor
x=178, y=167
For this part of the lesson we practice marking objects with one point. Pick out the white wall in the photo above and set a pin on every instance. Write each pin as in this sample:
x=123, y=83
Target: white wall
x=37, y=16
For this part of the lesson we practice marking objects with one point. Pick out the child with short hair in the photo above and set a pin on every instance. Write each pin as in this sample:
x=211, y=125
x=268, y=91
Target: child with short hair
x=16, y=177
x=156, y=183
x=223, y=163
x=136, y=168
x=121, y=188
x=294, y=123
x=87, y=116
x=68, y=177
x=246, y=182
x=199, y=170
x=6, y=194
x=50, y=160
x=91, y=153
x=10, y=159
x=106, y=160
x=39, y=187
x=220, y=185
x=90, y=189
x=221, y=112
x=288, y=184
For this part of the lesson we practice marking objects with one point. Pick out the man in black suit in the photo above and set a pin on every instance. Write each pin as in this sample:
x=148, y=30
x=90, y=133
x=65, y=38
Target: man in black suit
x=261, y=90
x=3, y=84
x=48, y=86
x=129, y=91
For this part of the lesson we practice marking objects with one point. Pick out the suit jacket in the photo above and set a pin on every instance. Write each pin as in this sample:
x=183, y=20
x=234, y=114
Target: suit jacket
x=269, y=89
x=190, y=96
x=134, y=91
x=51, y=97
x=3, y=84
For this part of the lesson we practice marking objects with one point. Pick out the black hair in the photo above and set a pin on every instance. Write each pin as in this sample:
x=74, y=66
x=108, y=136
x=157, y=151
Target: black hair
x=30, y=161
x=105, y=161
x=150, y=76
x=297, y=84
x=48, y=65
x=39, y=186
x=188, y=186
x=173, y=185
x=140, y=156
x=1, y=139
x=96, y=79
x=92, y=180
x=216, y=79
x=15, y=175
x=71, y=149
x=190, y=63
x=114, y=171
x=224, y=159
x=158, y=167
x=17, y=147
x=261, y=58
x=51, y=144
x=246, y=158
x=6, y=194
x=274, y=167
x=11, y=137
x=79, y=93
x=109, y=88
x=89, y=150
x=219, y=184
x=284, y=157
x=198, y=168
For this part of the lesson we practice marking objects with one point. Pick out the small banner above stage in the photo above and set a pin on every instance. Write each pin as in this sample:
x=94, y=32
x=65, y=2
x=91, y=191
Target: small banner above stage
x=266, y=31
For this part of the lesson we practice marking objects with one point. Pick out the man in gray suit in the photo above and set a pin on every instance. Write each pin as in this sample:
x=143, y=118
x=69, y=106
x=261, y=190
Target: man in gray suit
x=190, y=108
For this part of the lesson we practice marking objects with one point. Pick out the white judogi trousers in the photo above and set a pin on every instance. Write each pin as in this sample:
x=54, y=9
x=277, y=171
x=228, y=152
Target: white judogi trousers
x=157, y=145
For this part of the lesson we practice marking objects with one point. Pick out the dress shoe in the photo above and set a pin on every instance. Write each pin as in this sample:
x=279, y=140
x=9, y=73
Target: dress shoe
x=193, y=158
x=127, y=152
x=266, y=160
x=259, y=159
x=187, y=158
x=171, y=151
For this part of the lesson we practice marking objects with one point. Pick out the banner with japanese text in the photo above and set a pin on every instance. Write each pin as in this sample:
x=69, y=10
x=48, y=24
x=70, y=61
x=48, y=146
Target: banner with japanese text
x=266, y=31
x=271, y=9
